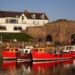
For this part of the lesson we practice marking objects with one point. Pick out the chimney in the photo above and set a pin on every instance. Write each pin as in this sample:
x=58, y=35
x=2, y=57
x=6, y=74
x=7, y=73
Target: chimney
x=26, y=11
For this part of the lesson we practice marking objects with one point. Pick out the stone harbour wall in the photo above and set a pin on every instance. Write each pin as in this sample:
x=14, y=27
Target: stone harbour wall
x=60, y=31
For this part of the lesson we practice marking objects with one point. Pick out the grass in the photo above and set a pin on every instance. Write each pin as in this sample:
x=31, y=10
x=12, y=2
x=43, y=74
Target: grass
x=12, y=36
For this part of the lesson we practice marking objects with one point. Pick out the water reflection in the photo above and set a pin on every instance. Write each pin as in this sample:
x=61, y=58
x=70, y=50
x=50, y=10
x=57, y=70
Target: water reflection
x=66, y=67
x=24, y=68
x=51, y=68
x=8, y=68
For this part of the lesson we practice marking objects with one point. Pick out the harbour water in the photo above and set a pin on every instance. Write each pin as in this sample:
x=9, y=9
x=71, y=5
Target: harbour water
x=66, y=67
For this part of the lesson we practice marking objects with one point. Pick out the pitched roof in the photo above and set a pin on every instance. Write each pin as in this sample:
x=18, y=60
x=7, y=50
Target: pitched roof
x=29, y=15
x=9, y=14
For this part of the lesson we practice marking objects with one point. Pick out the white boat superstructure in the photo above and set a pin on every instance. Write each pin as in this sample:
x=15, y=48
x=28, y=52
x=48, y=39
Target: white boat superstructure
x=69, y=48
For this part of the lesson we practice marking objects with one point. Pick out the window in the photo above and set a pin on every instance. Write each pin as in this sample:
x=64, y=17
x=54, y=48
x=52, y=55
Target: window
x=26, y=51
x=17, y=28
x=43, y=16
x=43, y=22
x=37, y=22
x=20, y=28
x=13, y=21
x=22, y=17
x=33, y=16
x=34, y=22
x=16, y=16
x=2, y=28
x=7, y=21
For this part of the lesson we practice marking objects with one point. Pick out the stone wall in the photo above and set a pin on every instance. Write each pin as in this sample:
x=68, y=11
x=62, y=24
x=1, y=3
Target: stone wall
x=60, y=31
x=36, y=32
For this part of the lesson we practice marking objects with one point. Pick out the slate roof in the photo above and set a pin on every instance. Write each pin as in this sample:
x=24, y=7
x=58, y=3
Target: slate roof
x=27, y=14
x=9, y=14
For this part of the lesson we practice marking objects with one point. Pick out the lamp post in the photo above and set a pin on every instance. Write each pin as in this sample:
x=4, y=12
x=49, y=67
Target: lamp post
x=1, y=39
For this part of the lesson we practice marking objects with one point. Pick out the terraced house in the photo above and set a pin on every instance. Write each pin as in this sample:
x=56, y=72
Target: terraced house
x=11, y=21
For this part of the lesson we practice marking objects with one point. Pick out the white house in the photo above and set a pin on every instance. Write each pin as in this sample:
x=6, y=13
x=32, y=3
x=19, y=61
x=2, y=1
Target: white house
x=11, y=21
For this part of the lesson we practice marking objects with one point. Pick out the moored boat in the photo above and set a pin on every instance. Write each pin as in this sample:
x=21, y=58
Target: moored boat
x=24, y=54
x=9, y=54
x=43, y=54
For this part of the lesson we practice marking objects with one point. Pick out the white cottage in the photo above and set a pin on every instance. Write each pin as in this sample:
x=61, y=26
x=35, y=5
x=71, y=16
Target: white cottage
x=11, y=21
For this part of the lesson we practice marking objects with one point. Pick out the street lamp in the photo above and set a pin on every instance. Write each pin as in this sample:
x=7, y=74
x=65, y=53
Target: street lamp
x=1, y=39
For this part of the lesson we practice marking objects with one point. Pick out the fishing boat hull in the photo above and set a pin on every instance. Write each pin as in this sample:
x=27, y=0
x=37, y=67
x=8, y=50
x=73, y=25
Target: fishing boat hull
x=39, y=56
x=73, y=53
x=7, y=55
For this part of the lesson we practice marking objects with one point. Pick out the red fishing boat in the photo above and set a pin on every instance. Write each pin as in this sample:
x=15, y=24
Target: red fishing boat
x=9, y=54
x=43, y=54
x=24, y=54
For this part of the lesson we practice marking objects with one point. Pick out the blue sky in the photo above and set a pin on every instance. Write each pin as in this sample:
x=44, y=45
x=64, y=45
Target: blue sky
x=55, y=9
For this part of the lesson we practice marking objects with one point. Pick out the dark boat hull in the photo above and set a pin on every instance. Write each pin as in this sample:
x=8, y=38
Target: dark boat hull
x=23, y=57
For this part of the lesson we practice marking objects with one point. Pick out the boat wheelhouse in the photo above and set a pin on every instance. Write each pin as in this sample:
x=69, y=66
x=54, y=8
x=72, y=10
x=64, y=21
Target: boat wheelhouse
x=71, y=49
x=24, y=54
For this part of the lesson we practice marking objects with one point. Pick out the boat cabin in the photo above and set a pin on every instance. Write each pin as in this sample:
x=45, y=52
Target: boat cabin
x=11, y=49
x=26, y=51
x=39, y=50
x=43, y=50
x=69, y=48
